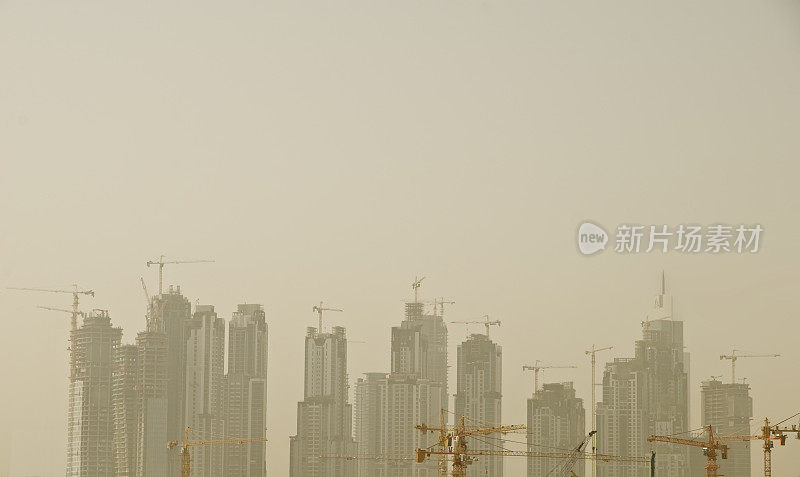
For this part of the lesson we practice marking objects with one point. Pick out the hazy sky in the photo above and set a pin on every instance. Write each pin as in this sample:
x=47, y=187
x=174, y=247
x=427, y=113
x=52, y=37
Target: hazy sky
x=334, y=150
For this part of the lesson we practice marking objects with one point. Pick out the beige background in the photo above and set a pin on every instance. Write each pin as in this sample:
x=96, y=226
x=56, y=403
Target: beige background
x=333, y=150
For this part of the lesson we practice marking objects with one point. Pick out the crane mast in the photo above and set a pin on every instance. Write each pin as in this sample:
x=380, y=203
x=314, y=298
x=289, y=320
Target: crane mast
x=593, y=353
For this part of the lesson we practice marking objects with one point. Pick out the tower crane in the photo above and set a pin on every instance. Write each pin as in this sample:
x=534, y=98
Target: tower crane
x=485, y=323
x=415, y=286
x=593, y=352
x=442, y=302
x=733, y=357
x=536, y=368
x=161, y=262
x=455, y=444
x=710, y=448
x=186, y=460
x=319, y=309
x=75, y=292
x=438, y=305
x=457, y=435
x=768, y=434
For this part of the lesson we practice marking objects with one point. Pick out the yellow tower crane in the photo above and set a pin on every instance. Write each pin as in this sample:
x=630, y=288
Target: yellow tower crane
x=186, y=460
x=485, y=323
x=161, y=262
x=768, y=434
x=457, y=435
x=455, y=444
x=710, y=448
x=536, y=368
x=733, y=357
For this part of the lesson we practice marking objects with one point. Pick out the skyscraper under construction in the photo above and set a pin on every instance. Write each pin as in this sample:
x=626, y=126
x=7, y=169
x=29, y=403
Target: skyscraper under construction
x=90, y=417
x=388, y=406
x=205, y=367
x=324, y=417
x=173, y=317
x=556, y=420
x=125, y=403
x=647, y=394
x=479, y=397
x=727, y=407
x=246, y=391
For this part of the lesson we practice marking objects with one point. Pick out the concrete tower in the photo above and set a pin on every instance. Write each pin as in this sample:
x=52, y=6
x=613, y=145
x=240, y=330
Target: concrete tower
x=246, y=391
x=90, y=417
x=205, y=364
x=125, y=403
x=556, y=420
x=647, y=394
x=151, y=452
x=729, y=409
x=173, y=321
x=479, y=397
x=325, y=416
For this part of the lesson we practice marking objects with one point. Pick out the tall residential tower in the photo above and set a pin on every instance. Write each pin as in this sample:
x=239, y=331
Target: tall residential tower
x=90, y=416
x=479, y=397
x=325, y=416
x=246, y=391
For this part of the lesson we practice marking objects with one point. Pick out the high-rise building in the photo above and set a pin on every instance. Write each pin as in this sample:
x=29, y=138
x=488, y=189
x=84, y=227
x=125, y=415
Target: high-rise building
x=125, y=403
x=151, y=450
x=205, y=365
x=728, y=408
x=173, y=317
x=389, y=406
x=434, y=330
x=246, y=391
x=90, y=417
x=367, y=420
x=479, y=397
x=647, y=394
x=556, y=420
x=325, y=416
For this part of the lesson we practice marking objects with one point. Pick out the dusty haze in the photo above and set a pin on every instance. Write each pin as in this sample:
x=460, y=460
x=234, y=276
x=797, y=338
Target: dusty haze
x=334, y=150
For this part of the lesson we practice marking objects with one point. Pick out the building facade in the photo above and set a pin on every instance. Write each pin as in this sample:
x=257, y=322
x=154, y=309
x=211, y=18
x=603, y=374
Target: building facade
x=90, y=431
x=151, y=450
x=727, y=407
x=205, y=366
x=647, y=394
x=479, y=398
x=246, y=391
x=388, y=406
x=325, y=416
x=125, y=404
x=556, y=420
x=173, y=318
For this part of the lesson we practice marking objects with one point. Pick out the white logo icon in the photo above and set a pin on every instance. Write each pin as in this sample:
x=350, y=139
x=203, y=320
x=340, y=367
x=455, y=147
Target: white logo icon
x=591, y=238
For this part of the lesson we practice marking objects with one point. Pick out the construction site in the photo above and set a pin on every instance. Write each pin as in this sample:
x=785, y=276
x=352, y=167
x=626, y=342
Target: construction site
x=167, y=405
